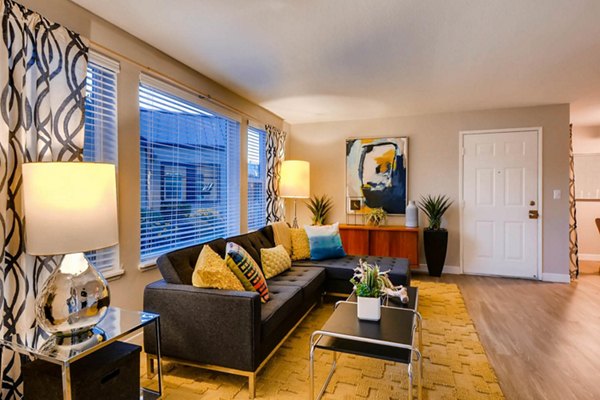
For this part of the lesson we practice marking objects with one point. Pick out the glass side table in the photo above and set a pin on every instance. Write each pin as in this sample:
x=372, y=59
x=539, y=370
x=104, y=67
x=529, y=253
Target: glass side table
x=117, y=324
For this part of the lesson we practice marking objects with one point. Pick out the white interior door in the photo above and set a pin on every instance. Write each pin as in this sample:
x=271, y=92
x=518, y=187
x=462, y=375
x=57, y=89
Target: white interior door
x=500, y=191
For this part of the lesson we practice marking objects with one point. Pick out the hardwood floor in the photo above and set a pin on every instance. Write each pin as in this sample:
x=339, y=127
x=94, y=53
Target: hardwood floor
x=543, y=339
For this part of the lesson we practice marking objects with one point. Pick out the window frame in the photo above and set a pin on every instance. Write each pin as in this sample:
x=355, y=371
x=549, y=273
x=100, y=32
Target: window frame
x=112, y=66
x=261, y=129
x=191, y=171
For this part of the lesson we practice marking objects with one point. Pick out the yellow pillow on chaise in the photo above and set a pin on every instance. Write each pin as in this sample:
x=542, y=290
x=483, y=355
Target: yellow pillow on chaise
x=300, y=244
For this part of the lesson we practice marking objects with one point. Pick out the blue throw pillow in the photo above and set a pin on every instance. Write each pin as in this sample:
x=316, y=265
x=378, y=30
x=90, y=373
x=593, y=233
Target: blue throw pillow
x=324, y=247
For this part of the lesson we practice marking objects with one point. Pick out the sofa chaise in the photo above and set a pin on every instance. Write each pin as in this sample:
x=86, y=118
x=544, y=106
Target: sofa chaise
x=232, y=331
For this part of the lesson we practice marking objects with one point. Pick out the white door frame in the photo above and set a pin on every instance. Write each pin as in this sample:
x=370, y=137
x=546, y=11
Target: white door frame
x=540, y=196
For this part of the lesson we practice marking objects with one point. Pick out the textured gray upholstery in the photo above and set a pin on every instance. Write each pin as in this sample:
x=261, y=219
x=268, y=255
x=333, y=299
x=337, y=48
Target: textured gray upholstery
x=285, y=301
x=309, y=279
x=340, y=270
x=205, y=325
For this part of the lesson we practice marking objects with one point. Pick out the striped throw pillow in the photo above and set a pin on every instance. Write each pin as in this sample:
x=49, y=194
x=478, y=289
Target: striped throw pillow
x=246, y=269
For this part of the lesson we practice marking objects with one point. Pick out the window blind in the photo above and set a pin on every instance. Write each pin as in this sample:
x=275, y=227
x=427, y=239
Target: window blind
x=190, y=171
x=257, y=171
x=100, y=142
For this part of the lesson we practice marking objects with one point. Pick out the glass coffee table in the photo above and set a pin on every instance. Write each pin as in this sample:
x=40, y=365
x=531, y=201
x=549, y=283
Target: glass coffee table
x=392, y=338
x=117, y=324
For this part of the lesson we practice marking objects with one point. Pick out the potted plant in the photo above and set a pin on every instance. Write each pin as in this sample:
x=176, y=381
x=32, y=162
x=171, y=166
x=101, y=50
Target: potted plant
x=319, y=207
x=376, y=216
x=435, y=237
x=369, y=284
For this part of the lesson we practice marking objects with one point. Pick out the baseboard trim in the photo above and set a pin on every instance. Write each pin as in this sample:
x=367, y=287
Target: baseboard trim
x=559, y=278
x=448, y=269
x=589, y=257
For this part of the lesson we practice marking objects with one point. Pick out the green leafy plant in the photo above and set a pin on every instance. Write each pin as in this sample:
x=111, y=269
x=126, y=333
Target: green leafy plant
x=434, y=208
x=319, y=207
x=368, y=280
x=376, y=216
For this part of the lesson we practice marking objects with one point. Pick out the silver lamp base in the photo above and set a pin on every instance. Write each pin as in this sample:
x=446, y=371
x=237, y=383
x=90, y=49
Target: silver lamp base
x=74, y=298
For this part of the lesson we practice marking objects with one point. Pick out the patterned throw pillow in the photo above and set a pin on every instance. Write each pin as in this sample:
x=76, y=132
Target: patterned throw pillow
x=247, y=271
x=325, y=242
x=274, y=261
x=212, y=272
x=300, y=246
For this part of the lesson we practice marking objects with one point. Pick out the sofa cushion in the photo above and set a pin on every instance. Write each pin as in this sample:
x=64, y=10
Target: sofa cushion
x=254, y=241
x=211, y=272
x=267, y=232
x=343, y=268
x=178, y=266
x=309, y=279
x=285, y=303
x=275, y=261
x=245, y=268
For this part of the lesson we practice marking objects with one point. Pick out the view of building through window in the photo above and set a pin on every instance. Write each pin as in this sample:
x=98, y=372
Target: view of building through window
x=190, y=172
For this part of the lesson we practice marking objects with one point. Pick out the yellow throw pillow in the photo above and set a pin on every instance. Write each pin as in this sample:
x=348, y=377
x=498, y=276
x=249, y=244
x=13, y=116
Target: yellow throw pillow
x=300, y=245
x=274, y=261
x=212, y=272
x=281, y=234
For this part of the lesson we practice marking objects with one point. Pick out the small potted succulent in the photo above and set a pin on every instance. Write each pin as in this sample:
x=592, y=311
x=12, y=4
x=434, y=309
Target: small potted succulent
x=319, y=207
x=369, y=284
x=376, y=216
x=435, y=237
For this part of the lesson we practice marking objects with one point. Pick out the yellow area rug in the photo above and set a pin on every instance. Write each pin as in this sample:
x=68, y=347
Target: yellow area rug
x=455, y=364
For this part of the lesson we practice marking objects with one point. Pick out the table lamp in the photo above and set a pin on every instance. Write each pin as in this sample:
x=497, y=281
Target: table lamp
x=70, y=208
x=294, y=182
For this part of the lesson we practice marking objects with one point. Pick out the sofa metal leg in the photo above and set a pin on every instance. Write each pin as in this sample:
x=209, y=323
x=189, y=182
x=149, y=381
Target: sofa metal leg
x=149, y=366
x=252, y=386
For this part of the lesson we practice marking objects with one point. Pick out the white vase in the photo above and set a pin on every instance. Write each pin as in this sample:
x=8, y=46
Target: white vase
x=412, y=215
x=369, y=308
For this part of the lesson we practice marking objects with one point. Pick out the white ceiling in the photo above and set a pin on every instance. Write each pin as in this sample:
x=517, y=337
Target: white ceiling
x=326, y=60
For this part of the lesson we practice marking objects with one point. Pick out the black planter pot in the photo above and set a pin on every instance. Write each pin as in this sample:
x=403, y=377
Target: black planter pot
x=436, y=244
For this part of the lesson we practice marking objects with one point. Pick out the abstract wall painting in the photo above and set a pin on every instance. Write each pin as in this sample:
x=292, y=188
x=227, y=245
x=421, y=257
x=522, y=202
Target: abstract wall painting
x=376, y=172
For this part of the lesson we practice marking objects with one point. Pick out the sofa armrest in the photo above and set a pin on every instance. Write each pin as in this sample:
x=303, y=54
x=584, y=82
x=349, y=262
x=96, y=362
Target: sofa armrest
x=206, y=326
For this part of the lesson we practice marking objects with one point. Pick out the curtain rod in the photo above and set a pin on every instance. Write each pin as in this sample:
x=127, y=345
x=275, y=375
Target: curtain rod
x=181, y=85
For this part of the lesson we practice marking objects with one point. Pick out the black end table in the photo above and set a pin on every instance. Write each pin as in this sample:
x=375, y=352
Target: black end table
x=392, y=338
x=116, y=325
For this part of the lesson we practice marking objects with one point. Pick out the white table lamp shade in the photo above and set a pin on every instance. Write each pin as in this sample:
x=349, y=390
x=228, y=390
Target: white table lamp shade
x=295, y=179
x=69, y=207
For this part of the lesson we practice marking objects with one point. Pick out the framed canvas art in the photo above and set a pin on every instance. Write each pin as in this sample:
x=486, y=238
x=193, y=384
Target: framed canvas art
x=377, y=172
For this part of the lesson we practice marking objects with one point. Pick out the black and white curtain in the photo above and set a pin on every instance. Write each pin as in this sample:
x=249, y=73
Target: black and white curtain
x=275, y=154
x=573, y=244
x=42, y=79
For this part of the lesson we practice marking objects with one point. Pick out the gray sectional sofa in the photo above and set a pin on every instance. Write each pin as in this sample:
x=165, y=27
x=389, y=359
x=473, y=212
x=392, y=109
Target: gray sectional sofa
x=233, y=331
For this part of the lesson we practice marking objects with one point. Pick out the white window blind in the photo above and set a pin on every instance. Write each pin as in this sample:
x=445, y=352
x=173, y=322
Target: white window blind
x=100, y=143
x=257, y=171
x=190, y=171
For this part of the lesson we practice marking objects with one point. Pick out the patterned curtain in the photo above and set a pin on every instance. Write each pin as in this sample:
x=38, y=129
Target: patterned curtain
x=42, y=77
x=275, y=155
x=573, y=246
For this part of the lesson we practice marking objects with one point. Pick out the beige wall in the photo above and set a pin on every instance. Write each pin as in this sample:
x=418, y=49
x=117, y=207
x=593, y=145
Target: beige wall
x=586, y=140
x=127, y=291
x=434, y=162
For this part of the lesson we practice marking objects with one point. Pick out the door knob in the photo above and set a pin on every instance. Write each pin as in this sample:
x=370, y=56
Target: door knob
x=534, y=214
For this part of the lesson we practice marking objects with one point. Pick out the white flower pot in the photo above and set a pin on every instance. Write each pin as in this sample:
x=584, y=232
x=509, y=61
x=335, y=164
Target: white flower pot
x=369, y=308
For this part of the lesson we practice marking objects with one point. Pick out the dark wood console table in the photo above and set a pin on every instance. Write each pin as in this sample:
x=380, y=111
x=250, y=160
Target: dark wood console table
x=383, y=241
